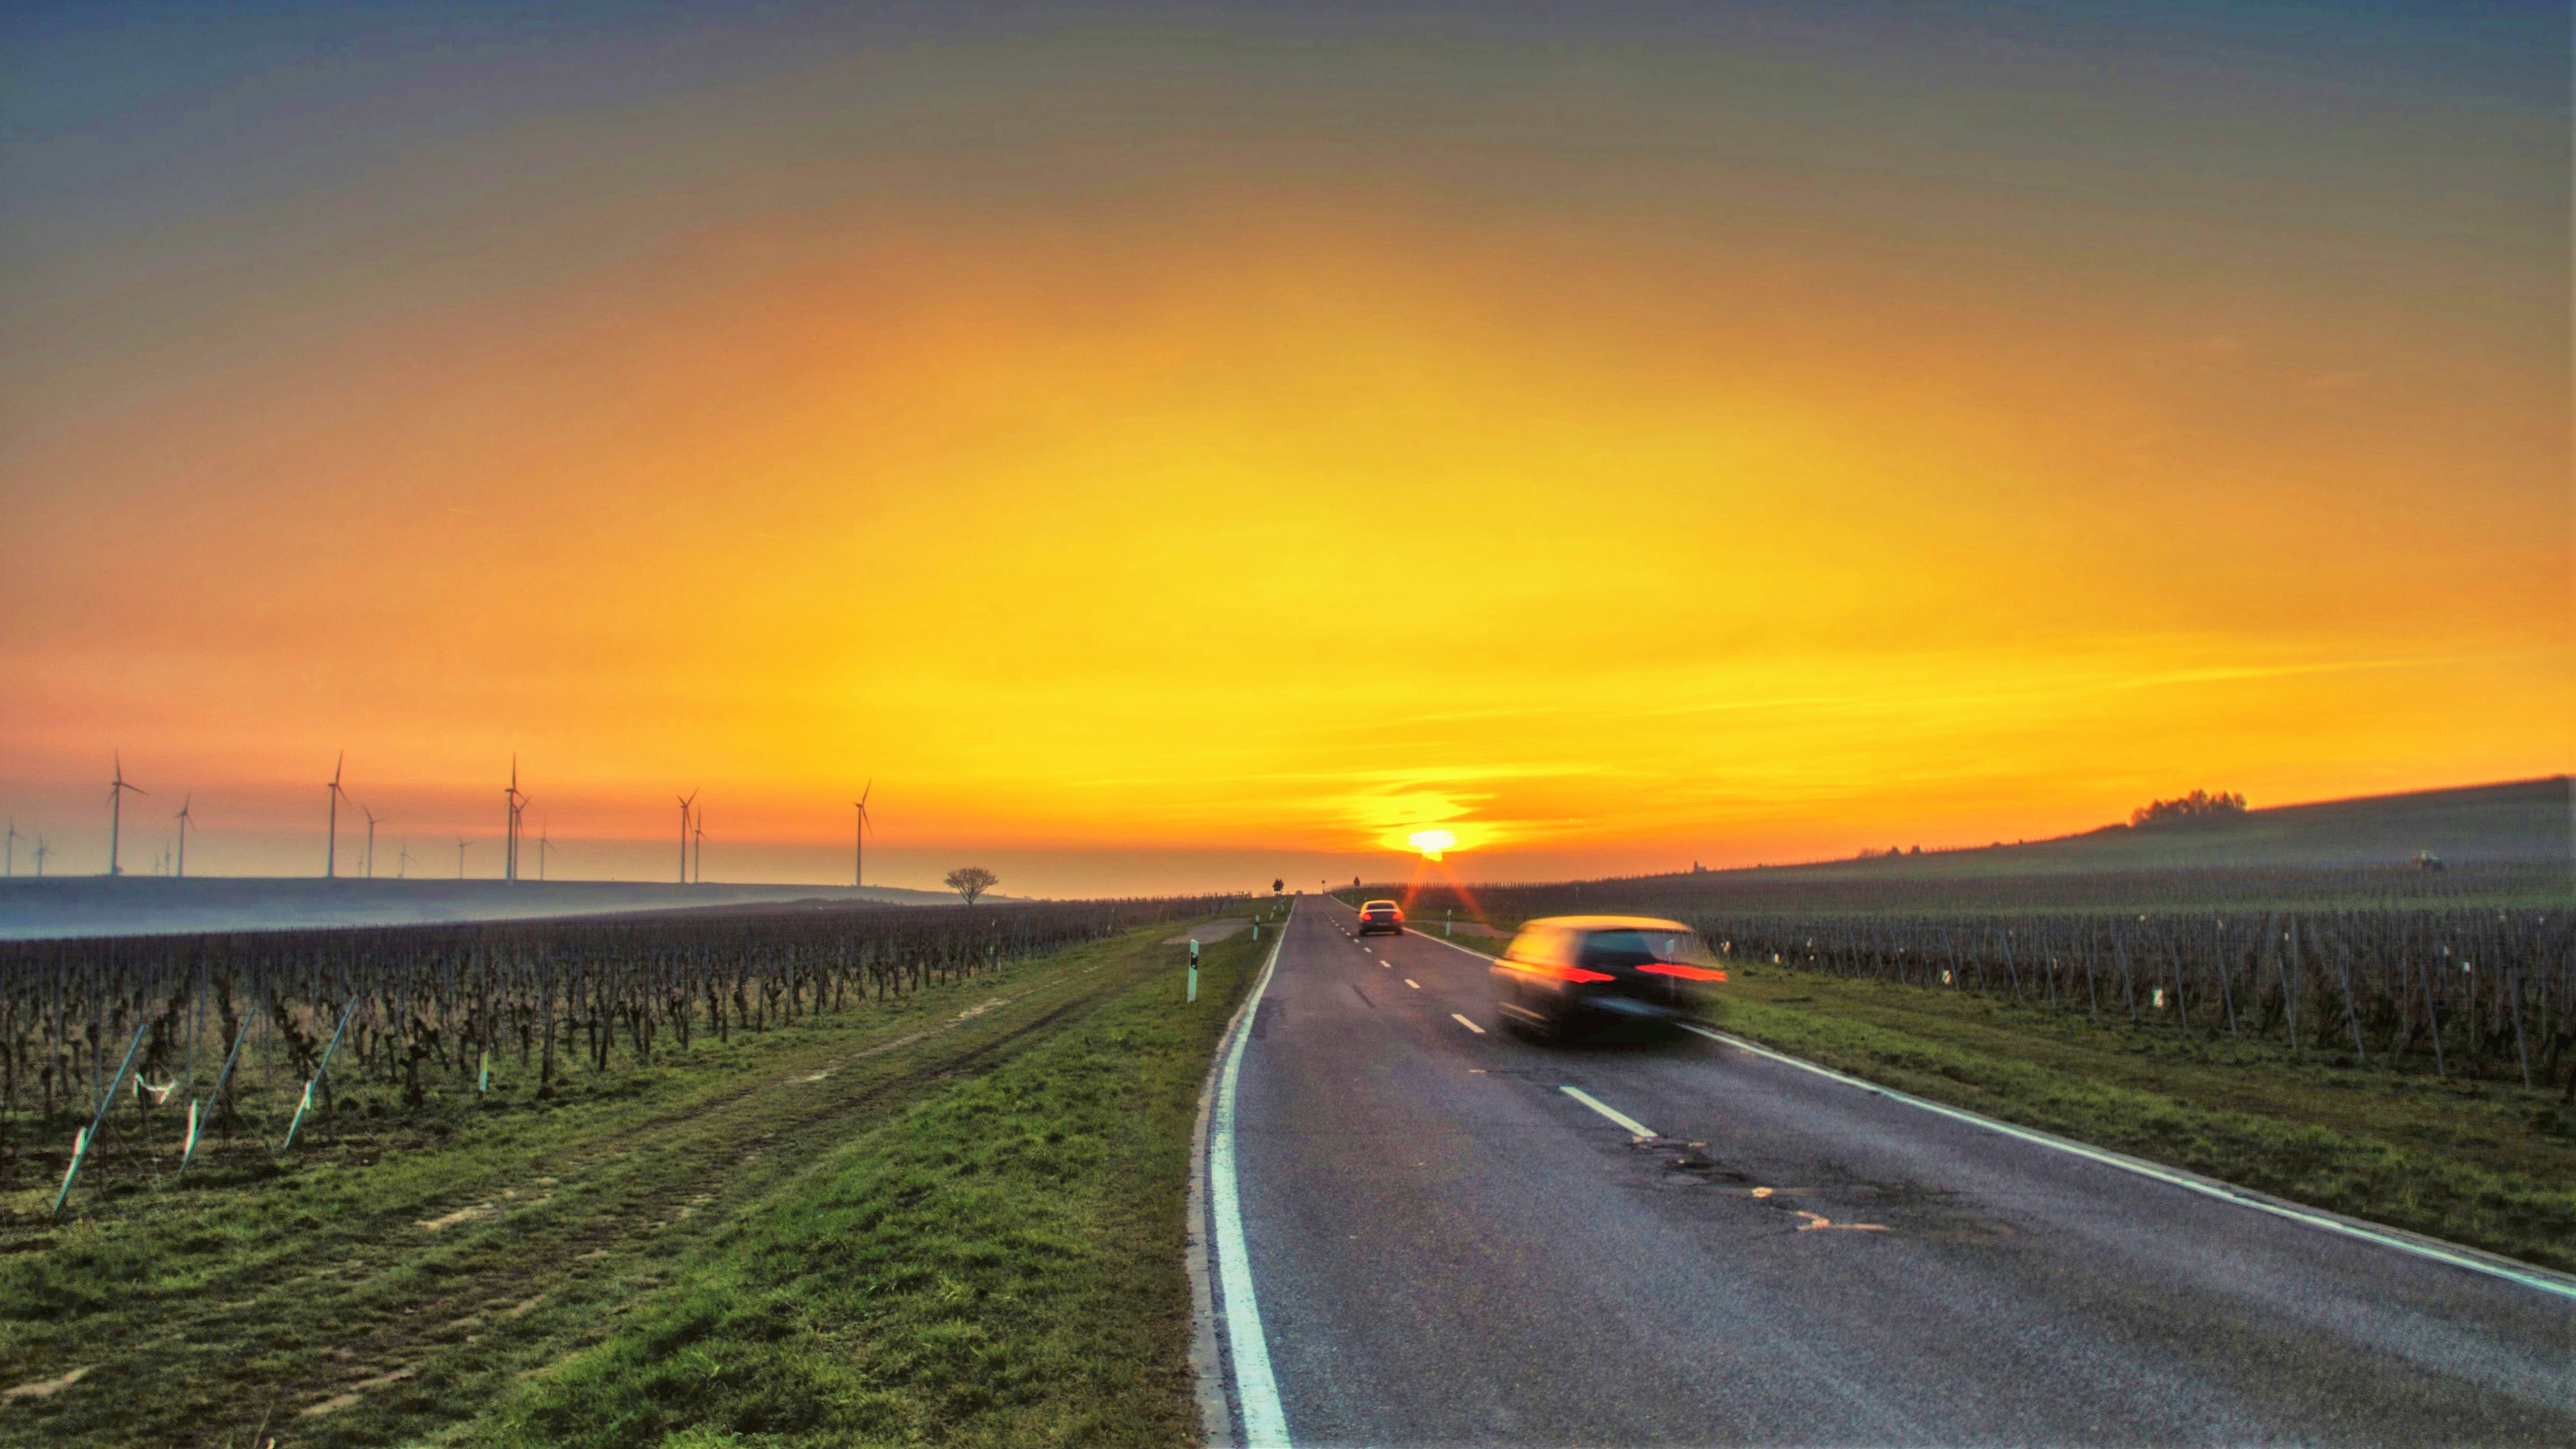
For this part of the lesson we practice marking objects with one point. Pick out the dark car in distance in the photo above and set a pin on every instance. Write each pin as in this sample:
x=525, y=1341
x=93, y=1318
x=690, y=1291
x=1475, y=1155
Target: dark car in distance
x=1563, y=973
x=1379, y=916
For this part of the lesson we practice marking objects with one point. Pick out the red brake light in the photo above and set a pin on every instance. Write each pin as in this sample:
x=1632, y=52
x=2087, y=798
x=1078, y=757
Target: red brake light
x=1565, y=973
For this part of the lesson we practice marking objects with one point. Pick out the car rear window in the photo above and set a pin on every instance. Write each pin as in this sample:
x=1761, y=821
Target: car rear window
x=1611, y=950
x=1628, y=949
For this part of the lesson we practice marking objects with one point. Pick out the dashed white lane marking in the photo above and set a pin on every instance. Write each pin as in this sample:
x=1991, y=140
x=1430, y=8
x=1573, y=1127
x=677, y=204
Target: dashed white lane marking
x=1634, y=1127
x=1463, y=1021
x=2434, y=1249
x=1416, y=985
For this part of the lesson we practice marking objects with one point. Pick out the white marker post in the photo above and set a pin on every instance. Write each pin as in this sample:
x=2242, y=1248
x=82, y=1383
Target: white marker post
x=483, y=1083
x=1194, y=969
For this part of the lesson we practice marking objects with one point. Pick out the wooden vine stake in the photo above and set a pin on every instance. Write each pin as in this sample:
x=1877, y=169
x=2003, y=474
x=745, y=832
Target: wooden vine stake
x=325, y=1065
x=106, y=1099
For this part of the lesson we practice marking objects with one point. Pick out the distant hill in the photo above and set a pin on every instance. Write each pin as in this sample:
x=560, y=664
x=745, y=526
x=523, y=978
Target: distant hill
x=157, y=905
x=2520, y=822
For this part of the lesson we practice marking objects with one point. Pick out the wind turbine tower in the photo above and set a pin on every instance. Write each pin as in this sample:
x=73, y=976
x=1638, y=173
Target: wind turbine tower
x=687, y=803
x=185, y=820
x=698, y=836
x=373, y=820
x=510, y=832
x=543, y=845
x=460, y=857
x=859, y=847
x=331, y=852
x=115, y=813
x=42, y=850
x=14, y=838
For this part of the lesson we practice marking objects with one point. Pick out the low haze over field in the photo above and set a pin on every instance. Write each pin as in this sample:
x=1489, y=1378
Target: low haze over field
x=1173, y=448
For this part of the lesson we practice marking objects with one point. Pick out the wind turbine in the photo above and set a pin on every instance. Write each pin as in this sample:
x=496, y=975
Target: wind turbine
x=859, y=847
x=510, y=832
x=698, y=830
x=373, y=820
x=14, y=838
x=331, y=852
x=460, y=857
x=115, y=802
x=185, y=820
x=42, y=850
x=686, y=802
x=402, y=862
x=543, y=845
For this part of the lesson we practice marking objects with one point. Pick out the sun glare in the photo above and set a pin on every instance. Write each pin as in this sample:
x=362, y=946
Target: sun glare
x=1432, y=842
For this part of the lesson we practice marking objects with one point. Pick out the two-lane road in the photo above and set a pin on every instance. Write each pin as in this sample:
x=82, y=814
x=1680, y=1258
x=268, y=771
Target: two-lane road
x=1447, y=1246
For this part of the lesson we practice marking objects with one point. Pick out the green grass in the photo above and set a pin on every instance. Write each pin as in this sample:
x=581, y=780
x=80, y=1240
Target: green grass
x=1001, y=1265
x=955, y=1217
x=2479, y=1163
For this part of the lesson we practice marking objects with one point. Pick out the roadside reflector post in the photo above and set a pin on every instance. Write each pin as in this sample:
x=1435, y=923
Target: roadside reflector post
x=1194, y=968
x=190, y=1149
x=483, y=1082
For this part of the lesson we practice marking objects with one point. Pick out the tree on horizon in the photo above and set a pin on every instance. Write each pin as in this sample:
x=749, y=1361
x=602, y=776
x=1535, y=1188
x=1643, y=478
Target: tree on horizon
x=971, y=881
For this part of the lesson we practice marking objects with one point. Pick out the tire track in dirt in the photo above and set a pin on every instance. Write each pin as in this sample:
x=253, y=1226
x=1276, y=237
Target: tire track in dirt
x=585, y=1246
x=551, y=1255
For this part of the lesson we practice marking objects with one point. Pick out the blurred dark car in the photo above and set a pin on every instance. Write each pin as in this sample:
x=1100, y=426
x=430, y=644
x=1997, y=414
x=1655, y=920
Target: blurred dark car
x=1382, y=916
x=1565, y=973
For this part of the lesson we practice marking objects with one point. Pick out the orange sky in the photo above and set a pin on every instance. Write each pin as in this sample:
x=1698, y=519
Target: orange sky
x=1141, y=530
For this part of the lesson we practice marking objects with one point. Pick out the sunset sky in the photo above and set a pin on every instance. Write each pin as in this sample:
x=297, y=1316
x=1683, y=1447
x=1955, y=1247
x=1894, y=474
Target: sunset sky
x=1169, y=448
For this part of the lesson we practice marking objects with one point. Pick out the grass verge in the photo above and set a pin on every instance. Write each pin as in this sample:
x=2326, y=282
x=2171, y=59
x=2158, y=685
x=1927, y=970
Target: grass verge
x=464, y=1292
x=2479, y=1163
x=1002, y=1264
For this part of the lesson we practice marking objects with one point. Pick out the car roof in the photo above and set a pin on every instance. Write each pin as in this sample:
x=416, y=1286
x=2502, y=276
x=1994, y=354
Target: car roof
x=1608, y=923
x=1373, y=905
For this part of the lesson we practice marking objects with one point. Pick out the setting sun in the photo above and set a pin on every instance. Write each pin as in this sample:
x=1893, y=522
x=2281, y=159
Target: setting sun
x=1432, y=842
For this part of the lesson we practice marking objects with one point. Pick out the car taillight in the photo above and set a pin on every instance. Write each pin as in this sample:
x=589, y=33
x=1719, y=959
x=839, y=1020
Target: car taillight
x=1687, y=973
x=1565, y=973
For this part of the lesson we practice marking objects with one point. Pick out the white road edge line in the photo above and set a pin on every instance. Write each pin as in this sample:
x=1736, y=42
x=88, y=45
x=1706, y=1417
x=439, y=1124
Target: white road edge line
x=1416, y=985
x=1256, y=1392
x=1463, y=1021
x=2432, y=1248
x=1635, y=1127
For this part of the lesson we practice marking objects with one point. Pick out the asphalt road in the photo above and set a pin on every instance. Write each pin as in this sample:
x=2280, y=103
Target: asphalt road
x=1448, y=1248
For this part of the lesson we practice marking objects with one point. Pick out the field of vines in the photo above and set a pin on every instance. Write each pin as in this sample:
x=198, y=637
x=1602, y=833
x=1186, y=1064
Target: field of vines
x=143, y=1058
x=2383, y=969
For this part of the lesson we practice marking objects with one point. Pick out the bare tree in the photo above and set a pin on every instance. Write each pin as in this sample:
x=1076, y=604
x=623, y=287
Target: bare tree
x=971, y=881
